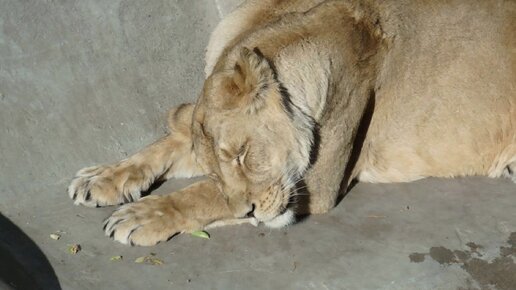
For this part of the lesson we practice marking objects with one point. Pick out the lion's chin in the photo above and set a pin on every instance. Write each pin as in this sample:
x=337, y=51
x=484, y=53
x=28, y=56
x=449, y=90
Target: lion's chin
x=282, y=220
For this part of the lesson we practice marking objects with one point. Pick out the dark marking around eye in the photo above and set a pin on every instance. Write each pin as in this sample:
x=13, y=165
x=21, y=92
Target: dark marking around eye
x=241, y=150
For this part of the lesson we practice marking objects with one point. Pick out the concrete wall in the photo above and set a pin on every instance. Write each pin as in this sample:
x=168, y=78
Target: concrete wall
x=86, y=82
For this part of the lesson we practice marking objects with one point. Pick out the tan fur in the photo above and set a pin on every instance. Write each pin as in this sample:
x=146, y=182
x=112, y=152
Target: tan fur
x=302, y=96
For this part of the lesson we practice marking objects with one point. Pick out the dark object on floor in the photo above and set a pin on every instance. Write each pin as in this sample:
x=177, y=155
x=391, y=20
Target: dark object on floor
x=22, y=264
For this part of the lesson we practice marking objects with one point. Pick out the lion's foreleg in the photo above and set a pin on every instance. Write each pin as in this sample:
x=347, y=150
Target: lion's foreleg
x=157, y=218
x=123, y=181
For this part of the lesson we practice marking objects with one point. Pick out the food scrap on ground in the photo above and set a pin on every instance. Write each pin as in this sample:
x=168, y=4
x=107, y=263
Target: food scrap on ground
x=74, y=249
x=149, y=260
x=55, y=236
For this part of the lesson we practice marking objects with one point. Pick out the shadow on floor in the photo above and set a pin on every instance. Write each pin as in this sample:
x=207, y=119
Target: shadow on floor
x=22, y=264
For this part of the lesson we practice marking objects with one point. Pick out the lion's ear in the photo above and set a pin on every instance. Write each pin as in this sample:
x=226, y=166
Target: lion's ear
x=252, y=72
x=252, y=76
x=245, y=86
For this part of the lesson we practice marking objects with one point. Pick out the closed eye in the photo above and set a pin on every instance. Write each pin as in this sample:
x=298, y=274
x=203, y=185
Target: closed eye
x=233, y=155
x=242, y=152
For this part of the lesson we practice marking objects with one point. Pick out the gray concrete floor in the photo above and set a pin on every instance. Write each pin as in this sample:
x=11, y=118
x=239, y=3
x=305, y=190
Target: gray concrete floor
x=87, y=82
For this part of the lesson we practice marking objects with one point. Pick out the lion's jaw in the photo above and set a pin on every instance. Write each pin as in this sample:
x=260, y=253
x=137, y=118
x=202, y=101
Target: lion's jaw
x=288, y=217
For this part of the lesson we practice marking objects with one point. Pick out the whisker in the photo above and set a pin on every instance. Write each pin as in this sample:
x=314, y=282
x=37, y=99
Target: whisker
x=304, y=194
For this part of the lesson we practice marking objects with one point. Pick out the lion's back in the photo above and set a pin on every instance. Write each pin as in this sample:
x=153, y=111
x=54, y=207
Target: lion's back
x=446, y=104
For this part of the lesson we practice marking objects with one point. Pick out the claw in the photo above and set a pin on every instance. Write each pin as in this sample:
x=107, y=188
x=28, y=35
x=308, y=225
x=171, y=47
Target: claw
x=111, y=229
x=131, y=232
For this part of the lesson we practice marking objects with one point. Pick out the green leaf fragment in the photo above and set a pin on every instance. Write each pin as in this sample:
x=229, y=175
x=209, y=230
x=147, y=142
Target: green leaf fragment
x=201, y=234
x=150, y=260
x=115, y=258
x=155, y=261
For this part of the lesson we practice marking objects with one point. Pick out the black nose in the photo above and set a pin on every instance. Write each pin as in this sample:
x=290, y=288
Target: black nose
x=250, y=214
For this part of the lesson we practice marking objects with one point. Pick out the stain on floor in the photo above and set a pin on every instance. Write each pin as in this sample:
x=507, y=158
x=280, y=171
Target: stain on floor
x=499, y=273
x=442, y=255
x=417, y=257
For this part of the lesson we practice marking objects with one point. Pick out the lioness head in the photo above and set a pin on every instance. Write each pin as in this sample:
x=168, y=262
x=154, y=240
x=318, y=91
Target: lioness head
x=251, y=139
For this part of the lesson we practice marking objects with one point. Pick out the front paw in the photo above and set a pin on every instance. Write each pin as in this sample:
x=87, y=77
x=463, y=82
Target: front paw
x=147, y=222
x=105, y=185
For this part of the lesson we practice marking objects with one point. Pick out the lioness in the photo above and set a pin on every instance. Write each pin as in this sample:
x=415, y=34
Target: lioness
x=303, y=96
